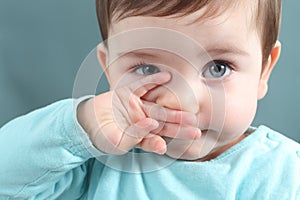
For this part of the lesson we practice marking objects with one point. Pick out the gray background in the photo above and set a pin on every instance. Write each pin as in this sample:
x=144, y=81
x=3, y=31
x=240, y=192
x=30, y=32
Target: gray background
x=43, y=43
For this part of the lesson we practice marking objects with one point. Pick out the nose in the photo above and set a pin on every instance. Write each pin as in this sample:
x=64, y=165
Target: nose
x=182, y=93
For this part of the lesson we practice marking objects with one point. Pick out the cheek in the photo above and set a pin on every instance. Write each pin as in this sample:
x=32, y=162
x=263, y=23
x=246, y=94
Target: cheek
x=120, y=73
x=119, y=78
x=240, y=112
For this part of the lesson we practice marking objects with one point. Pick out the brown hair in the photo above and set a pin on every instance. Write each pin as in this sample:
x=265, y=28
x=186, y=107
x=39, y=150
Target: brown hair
x=267, y=19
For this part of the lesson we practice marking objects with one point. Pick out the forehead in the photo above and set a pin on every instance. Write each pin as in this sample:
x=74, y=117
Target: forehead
x=233, y=27
x=189, y=11
x=155, y=8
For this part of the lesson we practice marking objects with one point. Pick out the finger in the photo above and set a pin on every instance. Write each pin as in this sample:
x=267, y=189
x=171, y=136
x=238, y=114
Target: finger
x=176, y=131
x=183, y=149
x=129, y=97
x=135, y=110
x=142, y=86
x=154, y=144
x=160, y=113
x=127, y=105
x=135, y=133
x=113, y=139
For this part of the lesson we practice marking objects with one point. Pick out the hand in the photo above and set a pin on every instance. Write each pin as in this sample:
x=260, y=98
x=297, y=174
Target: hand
x=179, y=130
x=115, y=121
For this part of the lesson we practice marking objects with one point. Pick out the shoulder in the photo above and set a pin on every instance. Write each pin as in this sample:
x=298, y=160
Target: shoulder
x=275, y=162
x=278, y=141
x=273, y=146
x=263, y=143
x=267, y=165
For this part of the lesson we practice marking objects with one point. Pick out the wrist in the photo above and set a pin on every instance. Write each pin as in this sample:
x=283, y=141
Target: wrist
x=82, y=109
x=84, y=113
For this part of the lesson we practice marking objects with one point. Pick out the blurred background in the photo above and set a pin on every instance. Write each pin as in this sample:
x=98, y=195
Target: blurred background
x=43, y=43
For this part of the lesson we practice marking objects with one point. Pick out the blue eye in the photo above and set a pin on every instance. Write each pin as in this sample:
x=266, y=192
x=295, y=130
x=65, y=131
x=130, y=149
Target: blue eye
x=146, y=69
x=216, y=70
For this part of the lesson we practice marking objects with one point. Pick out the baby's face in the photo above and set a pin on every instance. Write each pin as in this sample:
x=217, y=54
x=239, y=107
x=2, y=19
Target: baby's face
x=215, y=65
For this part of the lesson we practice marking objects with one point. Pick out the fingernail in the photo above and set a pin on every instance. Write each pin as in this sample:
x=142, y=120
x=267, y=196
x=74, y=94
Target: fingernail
x=155, y=123
x=198, y=134
x=162, y=150
x=166, y=75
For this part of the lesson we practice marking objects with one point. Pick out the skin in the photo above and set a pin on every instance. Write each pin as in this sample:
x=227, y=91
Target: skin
x=178, y=107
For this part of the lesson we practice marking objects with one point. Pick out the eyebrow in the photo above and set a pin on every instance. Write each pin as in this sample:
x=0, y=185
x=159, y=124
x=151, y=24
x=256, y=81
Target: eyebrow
x=227, y=49
x=214, y=50
x=138, y=54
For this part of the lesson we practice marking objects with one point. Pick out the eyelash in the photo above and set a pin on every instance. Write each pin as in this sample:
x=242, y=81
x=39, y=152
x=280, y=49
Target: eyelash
x=136, y=65
x=140, y=65
x=228, y=64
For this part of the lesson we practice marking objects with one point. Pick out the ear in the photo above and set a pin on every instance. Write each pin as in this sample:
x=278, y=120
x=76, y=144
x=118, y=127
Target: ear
x=102, y=54
x=265, y=74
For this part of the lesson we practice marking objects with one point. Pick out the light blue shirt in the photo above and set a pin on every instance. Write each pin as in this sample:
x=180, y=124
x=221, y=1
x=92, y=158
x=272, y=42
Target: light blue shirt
x=43, y=155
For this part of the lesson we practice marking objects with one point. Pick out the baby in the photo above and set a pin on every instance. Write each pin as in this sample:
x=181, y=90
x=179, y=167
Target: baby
x=185, y=78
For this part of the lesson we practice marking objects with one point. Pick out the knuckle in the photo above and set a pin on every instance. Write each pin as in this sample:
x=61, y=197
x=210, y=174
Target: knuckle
x=178, y=116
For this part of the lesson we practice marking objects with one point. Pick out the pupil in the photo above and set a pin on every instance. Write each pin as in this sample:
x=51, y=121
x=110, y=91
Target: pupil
x=217, y=70
x=149, y=69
